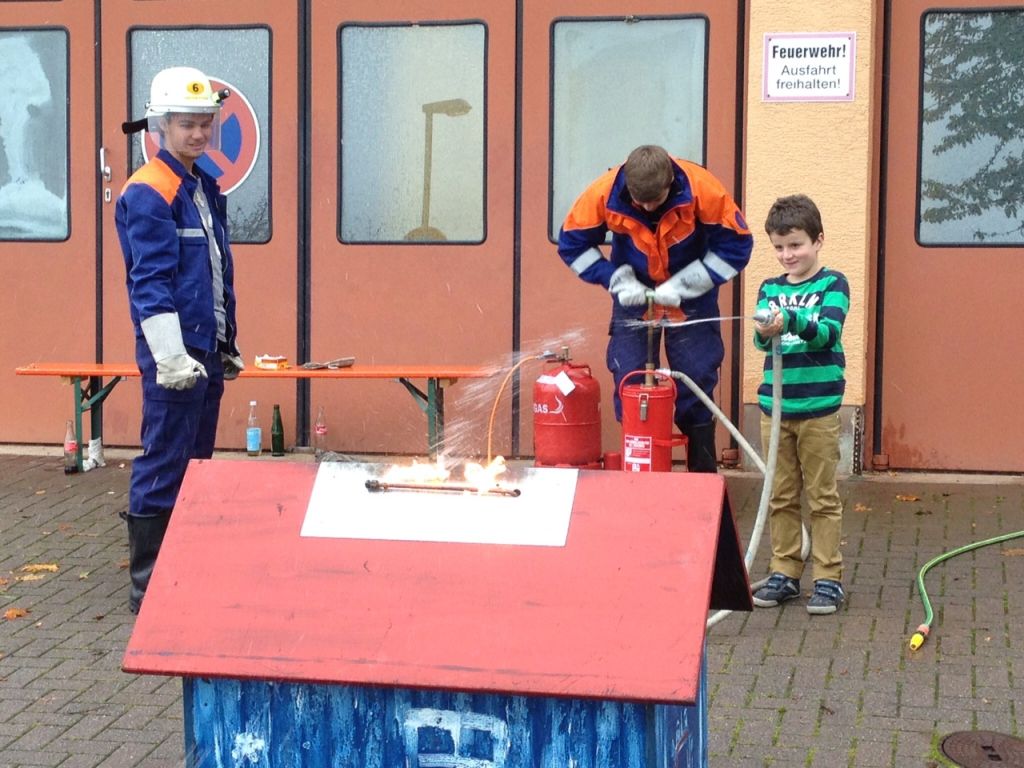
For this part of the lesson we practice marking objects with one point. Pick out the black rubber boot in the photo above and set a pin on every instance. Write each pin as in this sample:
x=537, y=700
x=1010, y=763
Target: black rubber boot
x=145, y=535
x=701, y=454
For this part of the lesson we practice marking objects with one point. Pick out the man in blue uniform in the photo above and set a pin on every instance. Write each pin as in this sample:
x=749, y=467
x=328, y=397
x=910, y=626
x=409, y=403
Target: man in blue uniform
x=172, y=223
x=676, y=235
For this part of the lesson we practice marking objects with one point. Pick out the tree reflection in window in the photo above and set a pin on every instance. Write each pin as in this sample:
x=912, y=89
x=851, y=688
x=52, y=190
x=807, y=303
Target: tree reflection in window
x=972, y=124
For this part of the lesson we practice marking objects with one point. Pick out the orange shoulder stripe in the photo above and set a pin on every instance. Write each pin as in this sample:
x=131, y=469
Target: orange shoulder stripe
x=158, y=175
x=713, y=203
x=589, y=210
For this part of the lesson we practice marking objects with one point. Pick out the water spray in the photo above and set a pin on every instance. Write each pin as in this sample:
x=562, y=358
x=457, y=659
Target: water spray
x=765, y=466
x=547, y=355
x=763, y=316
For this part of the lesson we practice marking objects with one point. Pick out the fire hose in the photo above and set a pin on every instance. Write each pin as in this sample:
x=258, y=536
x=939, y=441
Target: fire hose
x=767, y=467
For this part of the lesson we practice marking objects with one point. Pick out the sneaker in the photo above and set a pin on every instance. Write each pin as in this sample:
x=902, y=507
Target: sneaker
x=778, y=589
x=828, y=596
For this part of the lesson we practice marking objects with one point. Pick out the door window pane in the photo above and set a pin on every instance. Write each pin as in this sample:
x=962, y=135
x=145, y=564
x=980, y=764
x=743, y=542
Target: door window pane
x=34, y=135
x=972, y=129
x=236, y=58
x=619, y=84
x=412, y=133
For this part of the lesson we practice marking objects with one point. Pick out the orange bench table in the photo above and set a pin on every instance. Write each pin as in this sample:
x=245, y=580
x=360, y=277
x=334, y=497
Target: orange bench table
x=90, y=391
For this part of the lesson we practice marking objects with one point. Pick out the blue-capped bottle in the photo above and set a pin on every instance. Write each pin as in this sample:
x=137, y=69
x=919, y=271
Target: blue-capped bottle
x=253, y=433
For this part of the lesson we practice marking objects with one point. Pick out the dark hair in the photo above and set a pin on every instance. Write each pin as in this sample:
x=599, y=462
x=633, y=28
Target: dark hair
x=648, y=173
x=794, y=212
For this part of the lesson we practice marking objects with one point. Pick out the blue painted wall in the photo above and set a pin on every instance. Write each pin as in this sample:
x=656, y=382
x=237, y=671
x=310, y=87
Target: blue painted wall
x=259, y=724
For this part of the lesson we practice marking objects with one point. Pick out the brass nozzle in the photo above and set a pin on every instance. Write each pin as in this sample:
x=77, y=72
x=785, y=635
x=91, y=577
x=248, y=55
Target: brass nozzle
x=561, y=356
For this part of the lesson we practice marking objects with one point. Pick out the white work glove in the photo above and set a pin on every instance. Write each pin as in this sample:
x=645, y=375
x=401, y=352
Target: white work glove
x=233, y=365
x=626, y=288
x=175, y=369
x=179, y=372
x=691, y=281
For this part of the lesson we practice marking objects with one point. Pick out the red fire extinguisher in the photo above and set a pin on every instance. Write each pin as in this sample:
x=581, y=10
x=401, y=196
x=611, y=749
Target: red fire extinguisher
x=567, y=417
x=647, y=439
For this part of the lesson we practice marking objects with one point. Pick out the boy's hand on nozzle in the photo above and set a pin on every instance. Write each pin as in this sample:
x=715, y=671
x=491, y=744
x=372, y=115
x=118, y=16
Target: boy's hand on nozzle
x=767, y=328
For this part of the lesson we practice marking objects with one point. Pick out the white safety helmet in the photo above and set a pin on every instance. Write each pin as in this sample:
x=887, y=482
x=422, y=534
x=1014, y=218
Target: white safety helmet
x=181, y=89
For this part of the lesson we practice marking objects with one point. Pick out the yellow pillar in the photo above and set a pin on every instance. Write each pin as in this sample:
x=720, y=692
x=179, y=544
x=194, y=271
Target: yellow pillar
x=826, y=150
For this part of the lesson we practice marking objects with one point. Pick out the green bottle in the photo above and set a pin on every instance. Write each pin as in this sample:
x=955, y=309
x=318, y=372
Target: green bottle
x=277, y=433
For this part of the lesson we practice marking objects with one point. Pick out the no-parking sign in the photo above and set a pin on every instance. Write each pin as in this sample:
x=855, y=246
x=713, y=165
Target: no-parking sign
x=232, y=163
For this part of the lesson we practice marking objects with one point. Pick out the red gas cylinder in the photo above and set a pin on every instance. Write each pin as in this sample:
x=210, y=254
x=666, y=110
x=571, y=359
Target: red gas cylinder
x=567, y=418
x=647, y=420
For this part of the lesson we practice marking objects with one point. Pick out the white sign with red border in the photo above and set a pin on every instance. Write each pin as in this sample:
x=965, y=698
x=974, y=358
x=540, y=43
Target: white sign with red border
x=809, y=66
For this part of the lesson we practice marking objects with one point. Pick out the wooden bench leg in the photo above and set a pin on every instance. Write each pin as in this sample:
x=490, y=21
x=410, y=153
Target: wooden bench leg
x=431, y=403
x=435, y=416
x=77, y=382
x=90, y=398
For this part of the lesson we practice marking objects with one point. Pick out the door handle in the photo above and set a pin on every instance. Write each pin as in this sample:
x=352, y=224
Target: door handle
x=104, y=168
x=105, y=173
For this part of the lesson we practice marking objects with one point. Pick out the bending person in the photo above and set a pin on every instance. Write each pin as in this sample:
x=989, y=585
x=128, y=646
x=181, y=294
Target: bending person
x=676, y=232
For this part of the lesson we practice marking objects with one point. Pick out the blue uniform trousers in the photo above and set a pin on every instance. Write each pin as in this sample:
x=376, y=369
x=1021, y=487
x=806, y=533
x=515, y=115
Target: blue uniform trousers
x=177, y=425
x=696, y=350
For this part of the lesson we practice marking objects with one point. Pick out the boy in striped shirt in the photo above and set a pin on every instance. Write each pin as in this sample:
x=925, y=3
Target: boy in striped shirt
x=808, y=303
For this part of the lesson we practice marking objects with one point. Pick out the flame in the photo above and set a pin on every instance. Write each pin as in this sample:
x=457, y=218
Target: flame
x=480, y=477
x=477, y=477
x=418, y=473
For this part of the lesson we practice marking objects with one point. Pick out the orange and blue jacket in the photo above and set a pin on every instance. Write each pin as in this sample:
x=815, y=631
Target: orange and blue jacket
x=699, y=220
x=166, y=253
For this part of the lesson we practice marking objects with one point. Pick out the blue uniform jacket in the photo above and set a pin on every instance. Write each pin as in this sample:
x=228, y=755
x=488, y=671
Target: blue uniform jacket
x=166, y=253
x=699, y=220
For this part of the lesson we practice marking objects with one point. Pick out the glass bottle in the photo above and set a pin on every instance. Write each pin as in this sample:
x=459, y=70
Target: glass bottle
x=70, y=449
x=253, y=433
x=276, y=433
x=320, y=432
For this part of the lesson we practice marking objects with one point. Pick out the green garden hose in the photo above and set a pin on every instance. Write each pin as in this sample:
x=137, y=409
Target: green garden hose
x=922, y=631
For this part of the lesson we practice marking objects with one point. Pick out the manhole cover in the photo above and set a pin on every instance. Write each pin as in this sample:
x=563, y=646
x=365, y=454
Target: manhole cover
x=983, y=749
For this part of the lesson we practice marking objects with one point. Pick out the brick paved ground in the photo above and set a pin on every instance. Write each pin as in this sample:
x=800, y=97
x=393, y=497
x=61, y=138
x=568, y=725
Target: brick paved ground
x=787, y=689
x=63, y=699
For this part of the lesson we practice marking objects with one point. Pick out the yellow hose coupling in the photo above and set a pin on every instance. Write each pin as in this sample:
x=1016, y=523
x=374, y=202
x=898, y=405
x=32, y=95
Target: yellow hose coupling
x=919, y=637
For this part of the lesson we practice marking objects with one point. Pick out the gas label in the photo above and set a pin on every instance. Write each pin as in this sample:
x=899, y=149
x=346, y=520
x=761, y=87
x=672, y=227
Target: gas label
x=545, y=408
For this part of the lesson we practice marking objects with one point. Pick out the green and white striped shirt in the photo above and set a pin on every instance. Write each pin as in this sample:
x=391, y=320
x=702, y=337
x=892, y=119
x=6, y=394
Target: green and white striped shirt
x=813, y=362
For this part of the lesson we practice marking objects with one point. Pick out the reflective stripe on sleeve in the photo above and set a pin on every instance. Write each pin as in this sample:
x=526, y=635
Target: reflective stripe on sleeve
x=720, y=266
x=585, y=260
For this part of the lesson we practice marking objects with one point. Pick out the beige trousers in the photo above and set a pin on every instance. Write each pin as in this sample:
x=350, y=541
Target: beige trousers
x=807, y=461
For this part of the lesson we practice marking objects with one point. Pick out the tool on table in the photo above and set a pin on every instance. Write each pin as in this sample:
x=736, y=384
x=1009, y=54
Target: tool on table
x=338, y=362
x=380, y=485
